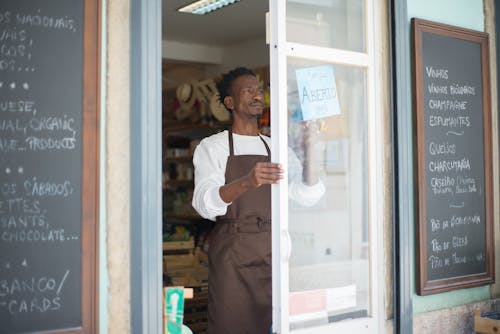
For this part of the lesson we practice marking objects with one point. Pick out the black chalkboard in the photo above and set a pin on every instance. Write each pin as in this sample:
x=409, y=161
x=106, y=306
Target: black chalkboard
x=41, y=130
x=453, y=157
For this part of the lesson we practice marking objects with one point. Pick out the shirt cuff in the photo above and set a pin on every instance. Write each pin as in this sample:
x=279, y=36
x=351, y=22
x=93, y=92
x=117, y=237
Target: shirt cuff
x=306, y=195
x=214, y=201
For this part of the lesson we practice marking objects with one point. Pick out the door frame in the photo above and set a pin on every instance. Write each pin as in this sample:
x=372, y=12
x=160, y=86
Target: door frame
x=280, y=51
x=146, y=275
x=402, y=176
x=145, y=164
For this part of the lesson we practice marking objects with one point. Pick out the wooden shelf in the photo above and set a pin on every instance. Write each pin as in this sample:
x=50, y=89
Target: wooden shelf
x=195, y=312
x=195, y=316
x=200, y=298
x=195, y=126
x=197, y=327
x=188, y=158
x=179, y=245
x=182, y=217
x=193, y=131
x=179, y=182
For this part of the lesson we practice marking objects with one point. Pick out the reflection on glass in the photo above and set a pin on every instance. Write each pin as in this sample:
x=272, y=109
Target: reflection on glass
x=336, y=24
x=327, y=127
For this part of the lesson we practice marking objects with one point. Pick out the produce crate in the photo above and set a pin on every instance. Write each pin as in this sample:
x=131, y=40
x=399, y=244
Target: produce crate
x=195, y=312
x=486, y=323
x=186, y=269
x=179, y=245
x=184, y=265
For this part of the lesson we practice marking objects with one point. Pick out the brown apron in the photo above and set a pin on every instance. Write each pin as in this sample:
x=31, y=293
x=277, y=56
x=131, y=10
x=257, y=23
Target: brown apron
x=239, y=292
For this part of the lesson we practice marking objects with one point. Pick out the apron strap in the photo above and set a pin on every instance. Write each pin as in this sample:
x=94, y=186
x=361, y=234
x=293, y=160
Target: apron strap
x=231, y=149
x=267, y=147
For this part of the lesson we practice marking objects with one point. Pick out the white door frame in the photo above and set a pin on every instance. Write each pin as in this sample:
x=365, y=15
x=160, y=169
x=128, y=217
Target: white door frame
x=280, y=50
x=146, y=271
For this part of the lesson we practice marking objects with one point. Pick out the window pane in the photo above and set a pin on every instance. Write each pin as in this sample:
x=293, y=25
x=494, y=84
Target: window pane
x=327, y=127
x=336, y=24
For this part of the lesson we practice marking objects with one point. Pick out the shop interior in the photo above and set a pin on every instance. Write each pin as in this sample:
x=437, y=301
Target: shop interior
x=197, y=50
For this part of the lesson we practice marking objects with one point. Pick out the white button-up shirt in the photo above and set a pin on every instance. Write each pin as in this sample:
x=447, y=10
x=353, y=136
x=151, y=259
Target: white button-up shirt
x=210, y=159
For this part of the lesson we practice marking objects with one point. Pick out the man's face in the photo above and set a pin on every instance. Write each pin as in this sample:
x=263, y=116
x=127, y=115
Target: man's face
x=247, y=97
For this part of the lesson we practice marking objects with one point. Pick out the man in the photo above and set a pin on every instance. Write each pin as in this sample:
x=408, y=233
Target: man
x=233, y=178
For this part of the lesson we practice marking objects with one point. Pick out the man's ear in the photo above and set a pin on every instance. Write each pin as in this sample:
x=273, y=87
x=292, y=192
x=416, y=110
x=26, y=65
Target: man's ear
x=228, y=102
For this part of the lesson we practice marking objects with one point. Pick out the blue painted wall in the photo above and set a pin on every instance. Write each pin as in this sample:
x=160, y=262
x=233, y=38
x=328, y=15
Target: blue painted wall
x=466, y=14
x=463, y=13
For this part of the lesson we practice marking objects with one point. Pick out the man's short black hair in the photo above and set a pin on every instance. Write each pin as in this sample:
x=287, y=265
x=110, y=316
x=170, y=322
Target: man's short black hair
x=224, y=85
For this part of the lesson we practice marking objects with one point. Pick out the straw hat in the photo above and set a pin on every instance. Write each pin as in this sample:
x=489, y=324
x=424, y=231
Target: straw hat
x=182, y=114
x=218, y=109
x=186, y=95
x=208, y=92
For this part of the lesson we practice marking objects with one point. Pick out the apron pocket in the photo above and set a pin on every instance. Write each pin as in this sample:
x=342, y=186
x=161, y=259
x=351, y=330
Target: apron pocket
x=253, y=249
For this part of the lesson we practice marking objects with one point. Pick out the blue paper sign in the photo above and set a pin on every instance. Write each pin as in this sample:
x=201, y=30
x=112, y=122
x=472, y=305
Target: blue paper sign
x=317, y=92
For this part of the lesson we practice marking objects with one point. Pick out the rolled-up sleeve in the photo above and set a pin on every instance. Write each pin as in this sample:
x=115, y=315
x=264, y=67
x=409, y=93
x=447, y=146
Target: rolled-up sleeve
x=209, y=165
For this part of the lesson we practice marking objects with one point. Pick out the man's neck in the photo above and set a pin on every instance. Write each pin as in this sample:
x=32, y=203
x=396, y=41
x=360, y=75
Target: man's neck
x=246, y=128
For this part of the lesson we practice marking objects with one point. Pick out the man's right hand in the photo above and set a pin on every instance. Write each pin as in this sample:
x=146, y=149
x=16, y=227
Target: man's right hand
x=264, y=173
x=261, y=173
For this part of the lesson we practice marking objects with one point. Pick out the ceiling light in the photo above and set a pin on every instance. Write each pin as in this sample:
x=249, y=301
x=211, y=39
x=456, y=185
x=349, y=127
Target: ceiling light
x=205, y=6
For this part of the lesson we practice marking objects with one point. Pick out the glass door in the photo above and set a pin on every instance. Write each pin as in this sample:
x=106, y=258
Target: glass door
x=327, y=134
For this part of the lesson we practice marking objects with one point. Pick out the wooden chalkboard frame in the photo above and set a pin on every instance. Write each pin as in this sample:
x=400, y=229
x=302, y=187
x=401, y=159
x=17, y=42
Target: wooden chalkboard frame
x=64, y=78
x=90, y=168
x=424, y=285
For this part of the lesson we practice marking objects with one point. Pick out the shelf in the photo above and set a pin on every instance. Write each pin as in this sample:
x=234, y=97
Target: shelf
x=179, y=245
x=178, y=159
x=195, y=126
x=182, y=217
x=179, y=182
x=200, y=298
x=194, y=131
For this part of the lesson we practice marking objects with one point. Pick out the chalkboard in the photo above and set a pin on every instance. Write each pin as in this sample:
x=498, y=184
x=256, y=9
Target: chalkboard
x=454, y=228
x=48, y=157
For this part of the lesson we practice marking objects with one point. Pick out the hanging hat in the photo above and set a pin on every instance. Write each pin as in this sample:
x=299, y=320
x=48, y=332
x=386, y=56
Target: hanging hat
x=186, y=95
x=206, y=89
x=182, y=113
x=218, y=109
